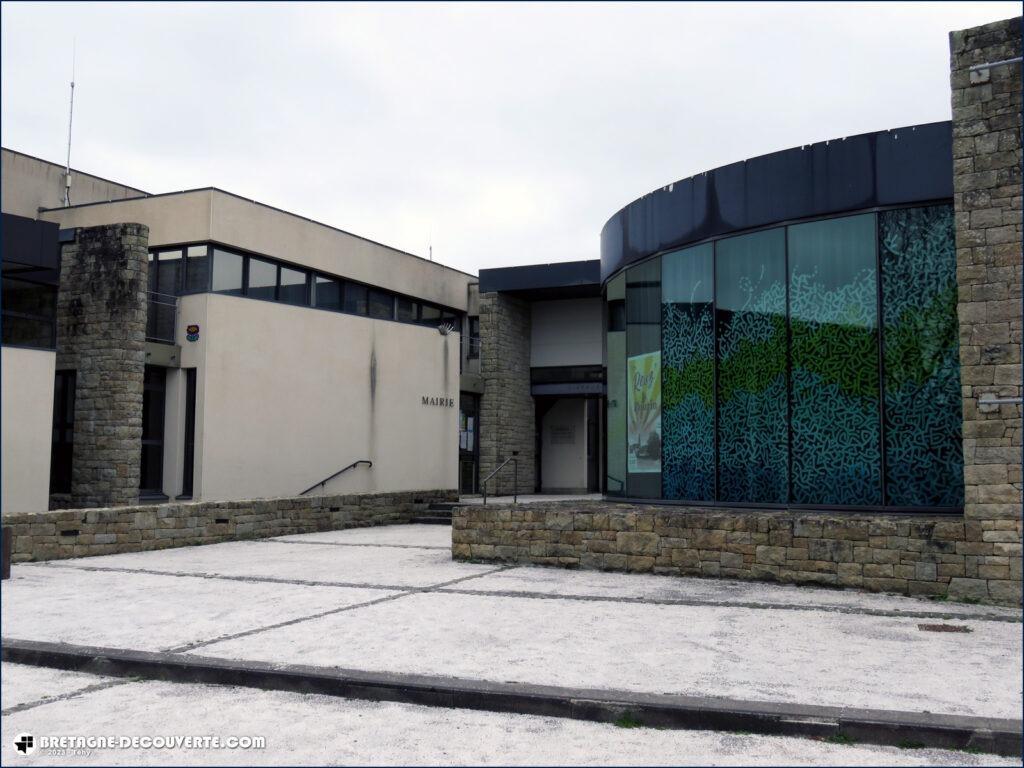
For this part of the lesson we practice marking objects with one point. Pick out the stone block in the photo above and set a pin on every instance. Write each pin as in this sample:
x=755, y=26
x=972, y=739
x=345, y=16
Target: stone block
x=714, y=539
x=685, y=558
x=637, y=543
x=732, y=560
x=1005, y=591
x=806, y=527
x=639, y=563
x=925, y=571
x=878, y=570
x=968, y=589
x=830, y=549
x=768, y=555
x=926, y=588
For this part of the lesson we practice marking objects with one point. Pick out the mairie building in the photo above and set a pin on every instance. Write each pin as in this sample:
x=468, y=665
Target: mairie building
x=830, y=329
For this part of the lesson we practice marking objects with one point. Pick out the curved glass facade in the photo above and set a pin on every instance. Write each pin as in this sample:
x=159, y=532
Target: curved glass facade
x=814, y=364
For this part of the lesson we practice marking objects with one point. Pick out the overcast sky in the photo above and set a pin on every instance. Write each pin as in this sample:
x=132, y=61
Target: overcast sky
x=504, y=133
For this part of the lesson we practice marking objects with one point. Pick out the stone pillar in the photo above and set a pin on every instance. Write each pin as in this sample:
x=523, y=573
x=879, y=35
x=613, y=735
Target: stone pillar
x=987, y=200
x=506, y=408
x=101, y=334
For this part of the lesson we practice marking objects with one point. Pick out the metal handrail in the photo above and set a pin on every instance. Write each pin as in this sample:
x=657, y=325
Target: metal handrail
x=515, y=478
x=173, y=299
x=326, y=480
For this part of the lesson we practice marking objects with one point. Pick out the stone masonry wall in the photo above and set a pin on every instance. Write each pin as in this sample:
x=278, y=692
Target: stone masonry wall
x=506, y=408
x=914, y=555
x=59, y=534
x=987, y=201
x=101, y=334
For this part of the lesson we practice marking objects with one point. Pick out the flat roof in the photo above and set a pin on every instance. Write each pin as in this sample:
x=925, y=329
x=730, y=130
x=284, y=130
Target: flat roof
x=74, y=171
x=261, y=205
x=560, y=280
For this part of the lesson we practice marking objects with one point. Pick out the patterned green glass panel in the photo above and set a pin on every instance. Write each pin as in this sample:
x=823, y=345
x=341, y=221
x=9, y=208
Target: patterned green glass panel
x=750, y=279
x=923, y=424
x=833, y=306
x=688, y=370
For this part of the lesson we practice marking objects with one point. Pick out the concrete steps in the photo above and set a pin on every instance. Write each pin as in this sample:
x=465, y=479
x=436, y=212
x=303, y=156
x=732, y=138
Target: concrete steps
x=437, y=513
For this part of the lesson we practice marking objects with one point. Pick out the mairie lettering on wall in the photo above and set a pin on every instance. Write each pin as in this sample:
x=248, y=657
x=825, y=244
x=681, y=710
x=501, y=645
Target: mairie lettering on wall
x=441, y=402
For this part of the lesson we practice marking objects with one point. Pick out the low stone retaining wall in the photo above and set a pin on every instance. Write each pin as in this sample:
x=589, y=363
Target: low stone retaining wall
x=916, y=555
x=82, y=532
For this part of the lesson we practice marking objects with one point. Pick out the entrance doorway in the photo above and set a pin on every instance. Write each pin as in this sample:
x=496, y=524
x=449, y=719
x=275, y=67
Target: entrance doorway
x=469, y=443
x=151, y=477
x=568, y=446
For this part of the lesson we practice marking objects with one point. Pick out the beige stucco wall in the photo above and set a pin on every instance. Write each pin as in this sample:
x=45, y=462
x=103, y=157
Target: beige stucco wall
x=26, y=392
x=566, y=332
x=171, y=219
x=30, y=184
x=214, y=215
x=288, y=395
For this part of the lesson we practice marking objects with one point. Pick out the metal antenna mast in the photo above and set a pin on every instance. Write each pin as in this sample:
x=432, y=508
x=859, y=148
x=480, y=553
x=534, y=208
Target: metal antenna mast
x=71, y=114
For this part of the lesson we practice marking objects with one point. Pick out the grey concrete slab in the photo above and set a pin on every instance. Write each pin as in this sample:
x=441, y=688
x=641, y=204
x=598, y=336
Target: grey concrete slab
x=319, y=730
x=21, y=684
x=147, y=612
x=395, y=567
x=811, y=657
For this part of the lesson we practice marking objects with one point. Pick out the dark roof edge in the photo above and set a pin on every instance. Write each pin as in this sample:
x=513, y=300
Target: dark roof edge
x=553, y=275
x=774, y=152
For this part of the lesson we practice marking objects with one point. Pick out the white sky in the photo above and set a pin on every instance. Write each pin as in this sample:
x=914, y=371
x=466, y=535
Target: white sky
x=505, y=133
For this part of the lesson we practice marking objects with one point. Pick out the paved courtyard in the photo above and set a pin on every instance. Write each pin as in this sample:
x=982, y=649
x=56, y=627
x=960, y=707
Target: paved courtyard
x=392, y=600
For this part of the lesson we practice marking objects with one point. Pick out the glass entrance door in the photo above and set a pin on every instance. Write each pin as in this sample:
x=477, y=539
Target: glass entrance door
x=469, y=443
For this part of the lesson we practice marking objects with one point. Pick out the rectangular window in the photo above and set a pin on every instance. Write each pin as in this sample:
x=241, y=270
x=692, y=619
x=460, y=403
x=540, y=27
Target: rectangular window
x=262, y=280
x=406, y=310
x=197, y=269
x=753, y=426
x=643, y=380
x=327, y=293
x=153, y=398
x=167, y=277
x=355, y=298
x=688, y=374
x=617, y=315
x=188, y=469
x=29, y=310
x=62, y=448
x=833, y=321
x=382, y=305
x=292, y=286
x=474, y=337
x=430, y=315
x=921, y=349
x=227, y=272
